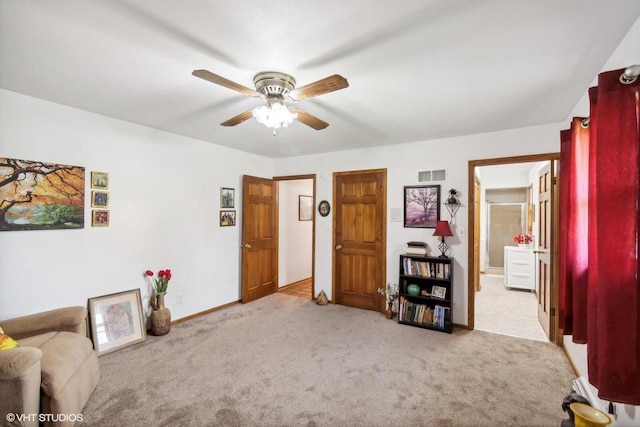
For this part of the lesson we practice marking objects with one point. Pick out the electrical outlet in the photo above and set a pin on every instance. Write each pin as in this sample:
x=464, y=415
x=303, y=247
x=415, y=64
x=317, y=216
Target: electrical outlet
x=455, y=303
x=179, y=298
x=461, y=232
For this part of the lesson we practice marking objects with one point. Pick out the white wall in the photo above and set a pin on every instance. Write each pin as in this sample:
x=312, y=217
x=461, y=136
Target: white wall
x=295, y=240
x=164, y=201
x=402, y=162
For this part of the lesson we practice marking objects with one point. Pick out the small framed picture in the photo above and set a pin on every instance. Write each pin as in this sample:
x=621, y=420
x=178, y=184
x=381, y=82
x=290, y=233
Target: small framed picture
x=99, y=199
x=227, y=198
x=227, y=218
x=99, y=218
x=438, y=292
x=305, y=208
x=100, y=180
x=117, y=321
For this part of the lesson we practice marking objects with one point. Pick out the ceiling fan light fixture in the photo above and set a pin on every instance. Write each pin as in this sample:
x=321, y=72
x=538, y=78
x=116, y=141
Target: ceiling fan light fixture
x=274, y=115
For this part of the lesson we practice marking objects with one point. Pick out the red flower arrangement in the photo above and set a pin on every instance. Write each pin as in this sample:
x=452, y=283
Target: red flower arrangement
x=162, y=282
x=523, y=239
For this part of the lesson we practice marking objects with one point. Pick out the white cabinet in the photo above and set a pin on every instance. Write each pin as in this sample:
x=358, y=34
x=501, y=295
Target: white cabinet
x=519, y=268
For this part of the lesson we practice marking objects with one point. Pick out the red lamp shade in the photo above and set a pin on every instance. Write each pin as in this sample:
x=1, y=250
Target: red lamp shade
x=442, y=229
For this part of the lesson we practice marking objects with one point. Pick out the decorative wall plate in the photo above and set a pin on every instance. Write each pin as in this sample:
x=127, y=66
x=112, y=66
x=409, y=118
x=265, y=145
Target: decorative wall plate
x=324, y=208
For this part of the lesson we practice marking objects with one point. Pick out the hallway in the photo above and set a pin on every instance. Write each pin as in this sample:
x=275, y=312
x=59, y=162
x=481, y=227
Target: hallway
x=300, y=289
x=505, y=311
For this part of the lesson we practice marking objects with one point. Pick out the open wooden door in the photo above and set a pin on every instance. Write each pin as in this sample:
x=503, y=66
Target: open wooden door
x=259, y=238
x=477, y=191
x=360, y=238
x=544, y=251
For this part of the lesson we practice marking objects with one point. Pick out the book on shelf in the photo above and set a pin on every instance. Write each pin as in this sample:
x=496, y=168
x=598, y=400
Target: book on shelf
x=421, y=313
x=416, y=250
x=416, y=244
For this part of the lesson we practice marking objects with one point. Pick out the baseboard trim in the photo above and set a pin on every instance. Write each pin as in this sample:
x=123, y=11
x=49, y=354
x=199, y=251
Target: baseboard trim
x=570, y=359
x=457, y=325
x=308, y=279
x=202, y=313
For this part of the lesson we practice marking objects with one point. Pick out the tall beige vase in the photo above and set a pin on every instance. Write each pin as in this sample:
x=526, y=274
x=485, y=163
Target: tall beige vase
x=160, y=316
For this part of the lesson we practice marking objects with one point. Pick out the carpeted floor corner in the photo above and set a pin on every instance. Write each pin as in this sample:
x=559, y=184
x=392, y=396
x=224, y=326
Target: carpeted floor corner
x=285, y=361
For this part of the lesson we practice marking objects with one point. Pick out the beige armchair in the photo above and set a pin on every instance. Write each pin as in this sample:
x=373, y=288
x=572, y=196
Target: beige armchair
x=53, y=371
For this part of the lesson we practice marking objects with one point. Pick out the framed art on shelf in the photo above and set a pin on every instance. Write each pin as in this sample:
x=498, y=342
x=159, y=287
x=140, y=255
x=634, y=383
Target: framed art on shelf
x=117, y=321
x=438, y=292
x=100, y=180
x=227, y=196
x=305, y=208
x=421, y=206
x=227, y=218
x=99, y=199
x=99, y=218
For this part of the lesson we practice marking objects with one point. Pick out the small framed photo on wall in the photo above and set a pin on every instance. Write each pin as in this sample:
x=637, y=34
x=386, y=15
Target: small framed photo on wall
x=305, y=208
x=227, y=198
x=99, y=218
x=227, y=218
x=99, y=199
x=100, y=180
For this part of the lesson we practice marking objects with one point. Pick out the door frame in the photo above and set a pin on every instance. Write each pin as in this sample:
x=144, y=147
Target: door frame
x=312, y=177
x=473, y=260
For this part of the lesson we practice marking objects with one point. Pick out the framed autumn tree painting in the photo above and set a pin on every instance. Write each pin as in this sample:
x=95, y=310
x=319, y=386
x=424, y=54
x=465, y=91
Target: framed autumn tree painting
x=40, y=196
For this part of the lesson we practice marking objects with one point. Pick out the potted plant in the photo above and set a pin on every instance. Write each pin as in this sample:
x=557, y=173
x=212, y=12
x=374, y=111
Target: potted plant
x=391, y=293
x=523, y=239
x=453, y=197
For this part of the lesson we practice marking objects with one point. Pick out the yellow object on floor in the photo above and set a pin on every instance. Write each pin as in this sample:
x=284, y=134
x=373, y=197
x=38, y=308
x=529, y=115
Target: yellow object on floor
x=588, y=416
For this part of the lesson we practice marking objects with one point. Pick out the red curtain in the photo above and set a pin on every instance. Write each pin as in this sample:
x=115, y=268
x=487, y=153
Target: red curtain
x=565, y=288
x=573, y=244
x=600, y=305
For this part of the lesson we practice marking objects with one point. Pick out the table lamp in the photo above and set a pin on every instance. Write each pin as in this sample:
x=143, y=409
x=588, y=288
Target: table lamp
x=442, y=230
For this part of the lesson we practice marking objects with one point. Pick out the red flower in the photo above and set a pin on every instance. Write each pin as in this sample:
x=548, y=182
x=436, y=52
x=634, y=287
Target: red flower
x=523, y=238
x=162, y=282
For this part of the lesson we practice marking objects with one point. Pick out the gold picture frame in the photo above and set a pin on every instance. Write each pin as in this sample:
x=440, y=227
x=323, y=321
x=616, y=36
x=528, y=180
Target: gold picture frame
x=100, y=180
x=99, y=199
x=99, y=218
x=117, y=321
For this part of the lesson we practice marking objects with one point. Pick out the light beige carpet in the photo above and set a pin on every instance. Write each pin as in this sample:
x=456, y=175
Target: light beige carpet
x=285, y=361
x=507, y=311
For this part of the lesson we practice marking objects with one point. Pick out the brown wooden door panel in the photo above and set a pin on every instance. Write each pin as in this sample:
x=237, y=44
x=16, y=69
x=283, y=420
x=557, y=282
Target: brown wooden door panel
x=259, y=242
x=359, y=257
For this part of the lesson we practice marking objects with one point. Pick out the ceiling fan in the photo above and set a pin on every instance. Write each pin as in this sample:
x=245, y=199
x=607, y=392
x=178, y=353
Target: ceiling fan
x=277, y=88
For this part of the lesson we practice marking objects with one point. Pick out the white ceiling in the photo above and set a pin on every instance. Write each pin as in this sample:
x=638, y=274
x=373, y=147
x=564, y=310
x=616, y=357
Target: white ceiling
x=417, y=69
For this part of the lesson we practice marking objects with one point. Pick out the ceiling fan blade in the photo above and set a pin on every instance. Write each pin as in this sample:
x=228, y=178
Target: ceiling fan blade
x=309, y=120
x=219, y=80
x=326, y=85
x=238, y=119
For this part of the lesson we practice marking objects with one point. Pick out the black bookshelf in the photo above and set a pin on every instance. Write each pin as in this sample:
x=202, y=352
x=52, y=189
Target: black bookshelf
x=432, y=307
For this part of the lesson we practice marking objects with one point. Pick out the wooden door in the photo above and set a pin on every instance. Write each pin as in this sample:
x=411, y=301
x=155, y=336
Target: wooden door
x=359, y=261
x=544, y=249
x=259, y=239
x=476, y=231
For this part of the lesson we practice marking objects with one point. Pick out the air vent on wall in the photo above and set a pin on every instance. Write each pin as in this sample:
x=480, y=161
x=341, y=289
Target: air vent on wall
x=432, y=176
